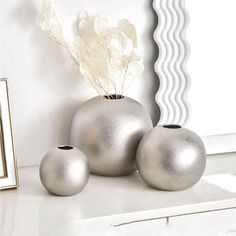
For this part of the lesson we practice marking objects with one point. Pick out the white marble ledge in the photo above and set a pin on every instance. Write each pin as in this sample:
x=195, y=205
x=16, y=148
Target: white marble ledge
x=117, y=200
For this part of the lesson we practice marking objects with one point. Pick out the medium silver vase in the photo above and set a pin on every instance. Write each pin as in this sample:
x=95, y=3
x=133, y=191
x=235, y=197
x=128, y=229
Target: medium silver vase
x=170, y=157
x=108, y=130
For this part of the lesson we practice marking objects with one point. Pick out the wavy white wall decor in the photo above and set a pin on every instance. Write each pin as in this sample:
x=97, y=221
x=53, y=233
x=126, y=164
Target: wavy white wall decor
x=171, y=63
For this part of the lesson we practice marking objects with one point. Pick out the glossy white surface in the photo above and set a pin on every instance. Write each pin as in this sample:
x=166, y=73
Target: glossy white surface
x=107, y=203
x=217, y=223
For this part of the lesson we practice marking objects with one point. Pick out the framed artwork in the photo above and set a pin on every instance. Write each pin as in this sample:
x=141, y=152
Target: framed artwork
x=207, y=105
x=8, y=167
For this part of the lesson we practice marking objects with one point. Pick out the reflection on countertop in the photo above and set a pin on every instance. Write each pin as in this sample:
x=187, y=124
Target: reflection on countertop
x=30, y=210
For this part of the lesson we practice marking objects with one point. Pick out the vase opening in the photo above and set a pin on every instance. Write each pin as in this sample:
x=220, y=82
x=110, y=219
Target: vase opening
x=114, y=96
x=172, y=126
x=65, y=147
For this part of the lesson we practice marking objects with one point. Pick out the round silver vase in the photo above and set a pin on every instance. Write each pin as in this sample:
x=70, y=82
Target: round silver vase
x=171, y=158
x=64, y=171
x=108, y=130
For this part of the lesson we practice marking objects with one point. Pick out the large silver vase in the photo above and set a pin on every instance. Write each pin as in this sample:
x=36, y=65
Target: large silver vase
x=108, y=131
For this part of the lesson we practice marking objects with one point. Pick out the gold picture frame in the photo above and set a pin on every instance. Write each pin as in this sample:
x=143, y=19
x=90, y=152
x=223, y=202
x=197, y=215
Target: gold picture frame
x=8, y=165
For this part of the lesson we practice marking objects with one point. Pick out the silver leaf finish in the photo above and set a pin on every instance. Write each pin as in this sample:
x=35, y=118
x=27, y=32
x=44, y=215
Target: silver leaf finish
x=64, y=171
x=108, y=131
x=171, y=158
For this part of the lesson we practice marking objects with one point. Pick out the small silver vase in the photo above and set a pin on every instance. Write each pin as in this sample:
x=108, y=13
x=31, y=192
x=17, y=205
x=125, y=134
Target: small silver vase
x=64, y=171
x=108, y=130
x=170, y=157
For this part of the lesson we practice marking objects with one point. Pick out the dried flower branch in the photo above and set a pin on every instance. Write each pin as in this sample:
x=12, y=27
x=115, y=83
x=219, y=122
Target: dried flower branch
x=107, y=57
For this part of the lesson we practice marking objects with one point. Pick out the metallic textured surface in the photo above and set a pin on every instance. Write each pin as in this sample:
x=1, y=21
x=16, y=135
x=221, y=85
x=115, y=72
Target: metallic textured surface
x=171, y=158
x=108, y=131
x=64, y=171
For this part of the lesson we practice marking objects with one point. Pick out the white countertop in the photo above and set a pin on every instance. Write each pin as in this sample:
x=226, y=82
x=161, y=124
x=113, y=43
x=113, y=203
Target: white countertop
x=118, y=200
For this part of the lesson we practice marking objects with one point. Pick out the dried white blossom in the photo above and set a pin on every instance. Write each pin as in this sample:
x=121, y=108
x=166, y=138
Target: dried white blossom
x=107, y=57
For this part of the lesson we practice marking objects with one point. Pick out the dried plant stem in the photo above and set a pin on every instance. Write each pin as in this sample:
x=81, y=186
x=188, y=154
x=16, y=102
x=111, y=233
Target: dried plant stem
x=66, y=48
x=123, y=82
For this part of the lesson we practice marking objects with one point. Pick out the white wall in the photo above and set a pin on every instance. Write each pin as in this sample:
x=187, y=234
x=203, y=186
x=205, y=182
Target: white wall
x=45, y=90
x=212, y=66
